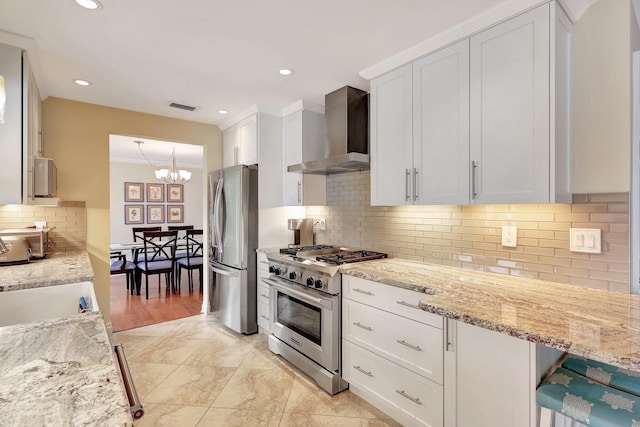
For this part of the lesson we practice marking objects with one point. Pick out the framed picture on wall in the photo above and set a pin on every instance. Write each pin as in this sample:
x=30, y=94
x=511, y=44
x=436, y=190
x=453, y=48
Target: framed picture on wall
x=133, y=192
x=155, y=214
x=175, y=213
x=155, y=193
x=175, y=193
x=133, y=214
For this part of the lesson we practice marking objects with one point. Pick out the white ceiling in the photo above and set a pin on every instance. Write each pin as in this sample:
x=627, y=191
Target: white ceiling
x=143, y=54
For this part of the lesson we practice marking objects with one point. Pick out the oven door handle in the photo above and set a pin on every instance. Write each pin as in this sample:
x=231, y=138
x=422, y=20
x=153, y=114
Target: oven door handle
x=301, y=295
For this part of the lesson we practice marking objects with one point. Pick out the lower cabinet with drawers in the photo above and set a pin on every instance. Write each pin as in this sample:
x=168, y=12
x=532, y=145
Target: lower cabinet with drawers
x=393, y=351
x=424, y=370
x=263, y=294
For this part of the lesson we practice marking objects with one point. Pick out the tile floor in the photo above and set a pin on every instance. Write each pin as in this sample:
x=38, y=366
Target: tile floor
x=195, y=372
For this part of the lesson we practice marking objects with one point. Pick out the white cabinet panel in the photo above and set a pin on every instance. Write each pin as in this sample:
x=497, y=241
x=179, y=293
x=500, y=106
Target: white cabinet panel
x=492, y=379
x=240, y=143
x=510, y=110
x=441, y=126
x=303, y=134
x=391, y=140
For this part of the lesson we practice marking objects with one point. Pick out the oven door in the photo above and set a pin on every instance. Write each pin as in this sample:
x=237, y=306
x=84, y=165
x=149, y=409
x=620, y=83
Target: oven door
x=306, y=320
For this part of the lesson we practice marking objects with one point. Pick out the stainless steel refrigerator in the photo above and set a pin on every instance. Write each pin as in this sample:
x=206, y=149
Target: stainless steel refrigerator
x=233, y=228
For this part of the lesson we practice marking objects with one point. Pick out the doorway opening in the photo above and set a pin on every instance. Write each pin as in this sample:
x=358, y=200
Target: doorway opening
x=139, y=199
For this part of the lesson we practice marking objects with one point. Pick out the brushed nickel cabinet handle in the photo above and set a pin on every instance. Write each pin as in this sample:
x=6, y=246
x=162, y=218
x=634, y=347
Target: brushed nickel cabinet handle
x=411, y=398
x=367, y=373
x=360, y=325
x=403, y=342
x=406, y=304
x=299, y=192
x=264, y=317
x=474, y=190
x=360, y=291
x=415, y=184
x=406, y=185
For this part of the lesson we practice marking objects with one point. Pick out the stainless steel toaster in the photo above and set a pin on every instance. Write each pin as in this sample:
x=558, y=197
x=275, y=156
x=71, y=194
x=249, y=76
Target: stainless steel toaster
x=19, y=251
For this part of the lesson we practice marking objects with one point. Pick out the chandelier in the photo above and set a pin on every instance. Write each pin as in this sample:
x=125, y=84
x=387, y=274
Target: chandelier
x=172, y=175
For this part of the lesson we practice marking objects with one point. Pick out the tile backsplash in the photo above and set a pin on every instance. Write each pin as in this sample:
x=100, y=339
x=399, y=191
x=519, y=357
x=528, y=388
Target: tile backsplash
x=69, y=220
x=469, y=236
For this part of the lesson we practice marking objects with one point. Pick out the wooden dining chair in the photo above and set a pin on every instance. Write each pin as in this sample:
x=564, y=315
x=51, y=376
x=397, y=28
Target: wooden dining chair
x=193, y=260
x=118, y=264
x=159, y=250
x=182, y=235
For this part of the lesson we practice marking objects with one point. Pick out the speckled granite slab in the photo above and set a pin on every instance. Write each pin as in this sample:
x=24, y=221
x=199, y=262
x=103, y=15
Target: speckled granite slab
x=595, y=324
x=60, y=373
x=58, y=269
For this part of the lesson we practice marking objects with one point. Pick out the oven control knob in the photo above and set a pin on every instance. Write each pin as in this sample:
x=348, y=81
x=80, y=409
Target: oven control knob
x=319, y=283
x=272, y=269
x=294, y=275
x=280, y=271
x=310, y=281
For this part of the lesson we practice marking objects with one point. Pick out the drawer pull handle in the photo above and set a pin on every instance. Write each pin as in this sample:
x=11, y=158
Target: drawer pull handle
x=264, y=317
x=360, y=325
x=411, y=398
x=367, y=373
x=362, y=292
x=264, y=296
x=403, y=342
x=406, y=304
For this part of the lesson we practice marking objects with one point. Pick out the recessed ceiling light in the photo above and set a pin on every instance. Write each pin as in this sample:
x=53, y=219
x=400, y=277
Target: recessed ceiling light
x=81, y=82
x=89, y=4
x=285, y=71
x=223, y=112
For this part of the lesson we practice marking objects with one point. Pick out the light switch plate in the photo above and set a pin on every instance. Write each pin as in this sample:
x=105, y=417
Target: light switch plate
x=588, y=240
x=509, y=236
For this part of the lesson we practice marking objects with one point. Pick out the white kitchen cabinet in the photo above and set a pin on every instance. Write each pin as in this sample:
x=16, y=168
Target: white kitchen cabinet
x=240, y=143
x=263, y=294
x=303, y=134
x=441, y=126
x=21, y=130
x=510, y=110
x=391, y=143
x=484, y=120
x=393, y=351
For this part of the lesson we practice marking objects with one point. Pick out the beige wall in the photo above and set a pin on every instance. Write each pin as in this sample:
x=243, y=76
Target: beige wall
x=76, y=136
x=470, y=236
x=601, y=98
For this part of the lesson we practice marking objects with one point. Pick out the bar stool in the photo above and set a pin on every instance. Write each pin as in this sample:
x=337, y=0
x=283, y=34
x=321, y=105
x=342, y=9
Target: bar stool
x=603, y=397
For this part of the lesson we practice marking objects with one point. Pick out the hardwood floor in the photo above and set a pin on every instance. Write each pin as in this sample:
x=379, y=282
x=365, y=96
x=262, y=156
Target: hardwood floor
x=132, y=311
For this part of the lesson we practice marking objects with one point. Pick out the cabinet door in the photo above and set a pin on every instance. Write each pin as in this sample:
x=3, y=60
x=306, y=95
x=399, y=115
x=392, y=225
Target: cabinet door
x=492, y=379
x=510, y=110
x=303, y=135
x=391, y=138
x=441, y=126
x=229, y=146
x=248, y=141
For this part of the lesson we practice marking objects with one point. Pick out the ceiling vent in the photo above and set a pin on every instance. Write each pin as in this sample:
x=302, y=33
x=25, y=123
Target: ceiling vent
x=182, y=106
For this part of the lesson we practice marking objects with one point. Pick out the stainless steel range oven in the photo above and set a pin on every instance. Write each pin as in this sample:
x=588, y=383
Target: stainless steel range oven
x=305, y=309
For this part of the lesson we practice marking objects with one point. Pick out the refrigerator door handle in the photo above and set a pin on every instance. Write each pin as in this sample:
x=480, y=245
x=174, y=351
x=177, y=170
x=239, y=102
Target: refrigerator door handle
x=217, y=232
x=217, y=268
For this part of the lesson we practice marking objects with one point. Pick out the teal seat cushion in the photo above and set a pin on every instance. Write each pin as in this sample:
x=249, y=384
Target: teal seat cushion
x=612, y=376
x=588, y=402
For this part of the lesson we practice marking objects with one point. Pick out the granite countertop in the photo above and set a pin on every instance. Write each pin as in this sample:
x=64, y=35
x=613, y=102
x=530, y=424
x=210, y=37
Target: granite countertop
x=59, y=373
x=56, y=269
x=591, y=323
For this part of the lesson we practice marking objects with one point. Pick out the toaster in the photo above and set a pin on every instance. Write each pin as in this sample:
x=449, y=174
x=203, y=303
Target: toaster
x=37, y=239
x=19, y=251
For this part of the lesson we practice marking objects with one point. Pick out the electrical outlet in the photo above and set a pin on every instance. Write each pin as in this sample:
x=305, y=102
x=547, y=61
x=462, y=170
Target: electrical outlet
x=509, y=236
x=322, y=223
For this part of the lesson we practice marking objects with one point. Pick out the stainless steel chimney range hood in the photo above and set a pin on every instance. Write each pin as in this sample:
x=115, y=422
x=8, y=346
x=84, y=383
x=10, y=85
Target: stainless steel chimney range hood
x=347, y=144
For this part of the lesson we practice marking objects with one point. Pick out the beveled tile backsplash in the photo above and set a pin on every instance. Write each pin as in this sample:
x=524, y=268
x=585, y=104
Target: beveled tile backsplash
x=69, y=220
x=469, y=236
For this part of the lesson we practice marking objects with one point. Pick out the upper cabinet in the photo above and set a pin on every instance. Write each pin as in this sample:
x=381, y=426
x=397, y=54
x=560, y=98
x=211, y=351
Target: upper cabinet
x=20, y=132
x=475, y=122
x=303, y=134
x=240, y=143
